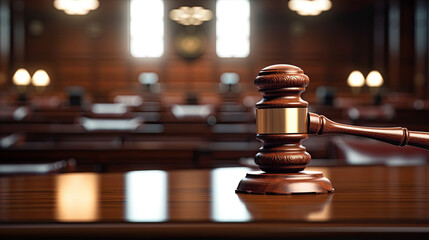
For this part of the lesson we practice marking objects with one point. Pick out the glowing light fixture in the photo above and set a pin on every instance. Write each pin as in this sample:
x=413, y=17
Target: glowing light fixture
x=374, y=79
x=309, y=7
x=40, y=78
x=229, y=82
x=356, y=80
x=229, y=78
x=76, y=7
x=21, y=77
x=232, y=28
x=148, y=78
x=147, y=28
x=191, y=15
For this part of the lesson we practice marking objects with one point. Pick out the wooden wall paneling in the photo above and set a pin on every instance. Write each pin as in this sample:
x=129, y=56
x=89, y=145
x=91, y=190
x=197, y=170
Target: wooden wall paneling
x=177, y=71
x=76, y=73
x=114, y=29
x=18, y=34
x=427, y=57
x=5, y=43
x=202, y=71
x=111, y=76
x=112, y=43
x=394, y=44
x=421, y=48
x=74, y=43
x=379, y=47
x=407, y=45
x=328, y=46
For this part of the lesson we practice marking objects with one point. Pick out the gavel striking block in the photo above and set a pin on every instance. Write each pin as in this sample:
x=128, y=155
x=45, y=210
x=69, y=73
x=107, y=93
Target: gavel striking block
x=283, y=122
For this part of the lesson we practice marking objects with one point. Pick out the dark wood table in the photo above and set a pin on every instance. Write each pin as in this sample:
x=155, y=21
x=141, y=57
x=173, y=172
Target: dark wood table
x=368, y=202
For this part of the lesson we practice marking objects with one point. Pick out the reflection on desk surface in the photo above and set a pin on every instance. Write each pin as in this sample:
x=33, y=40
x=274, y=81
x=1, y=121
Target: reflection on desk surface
x=382, y=195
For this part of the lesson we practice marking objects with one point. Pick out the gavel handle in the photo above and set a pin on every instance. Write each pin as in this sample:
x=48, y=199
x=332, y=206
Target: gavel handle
x=319, y=124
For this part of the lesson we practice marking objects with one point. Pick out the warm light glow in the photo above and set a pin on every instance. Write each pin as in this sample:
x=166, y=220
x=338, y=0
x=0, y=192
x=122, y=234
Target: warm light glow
x=147, y=28
x=374, y=79
x=40, y=78
x=309, y=7
x=21, y=77
x=191, y=15
x=76, y=7
x=232, y=28
x=77, y=197
x=356, y=79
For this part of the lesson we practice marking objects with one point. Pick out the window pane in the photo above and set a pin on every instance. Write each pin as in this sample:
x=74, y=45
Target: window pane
x=147, y=28
x=232, y=28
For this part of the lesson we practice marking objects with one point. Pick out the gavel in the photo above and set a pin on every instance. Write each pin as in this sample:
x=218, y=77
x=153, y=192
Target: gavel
x=283, y=122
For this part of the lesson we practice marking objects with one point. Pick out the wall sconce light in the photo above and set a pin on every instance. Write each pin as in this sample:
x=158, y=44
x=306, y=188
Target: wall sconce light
x=309, y=7
x=149, y=80
x=356, y=80
x=40, y=80
x=374, y=80
x=76, y=7
x=229, y=82
x=21, y=79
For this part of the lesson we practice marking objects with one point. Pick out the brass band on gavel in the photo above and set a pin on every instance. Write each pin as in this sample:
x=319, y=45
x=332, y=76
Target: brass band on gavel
x=281, y=120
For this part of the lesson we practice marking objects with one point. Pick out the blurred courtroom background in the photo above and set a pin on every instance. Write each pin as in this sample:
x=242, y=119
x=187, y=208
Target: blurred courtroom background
x=126, y=85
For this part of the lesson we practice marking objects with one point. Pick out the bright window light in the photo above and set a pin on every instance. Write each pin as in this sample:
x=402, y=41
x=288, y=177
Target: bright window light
x=232, y=28
x=147, y=28
x=150, y=205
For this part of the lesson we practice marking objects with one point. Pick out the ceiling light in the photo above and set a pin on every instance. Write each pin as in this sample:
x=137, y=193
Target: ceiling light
x=191, y=15
x=309, y=7
x=76, y=7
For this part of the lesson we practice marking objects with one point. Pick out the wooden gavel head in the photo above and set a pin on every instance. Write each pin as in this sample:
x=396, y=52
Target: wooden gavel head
x=283, y=122
x=282, y=119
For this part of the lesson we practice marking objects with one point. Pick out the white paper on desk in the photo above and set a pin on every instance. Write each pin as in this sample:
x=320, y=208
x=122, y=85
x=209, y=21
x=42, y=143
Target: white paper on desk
x=91, y=124
x=129, y=100
x=181, y=111
x=109, y=108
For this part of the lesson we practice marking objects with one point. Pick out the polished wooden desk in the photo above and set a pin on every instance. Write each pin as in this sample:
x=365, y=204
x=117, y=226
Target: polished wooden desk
x=368, y=202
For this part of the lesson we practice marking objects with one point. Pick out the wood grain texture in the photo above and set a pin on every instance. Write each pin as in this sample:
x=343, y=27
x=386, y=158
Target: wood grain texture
x=369, y=201
x=281, y=86
x=285, y=183
x=319, y=124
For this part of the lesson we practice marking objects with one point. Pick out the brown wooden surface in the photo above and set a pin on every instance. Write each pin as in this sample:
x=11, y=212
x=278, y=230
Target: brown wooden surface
x=113, y=156
x=369, y=201
x=308, y=182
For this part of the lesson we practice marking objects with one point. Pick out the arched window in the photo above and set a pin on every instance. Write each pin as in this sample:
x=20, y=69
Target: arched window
x=232, y=28
x=147, y=28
